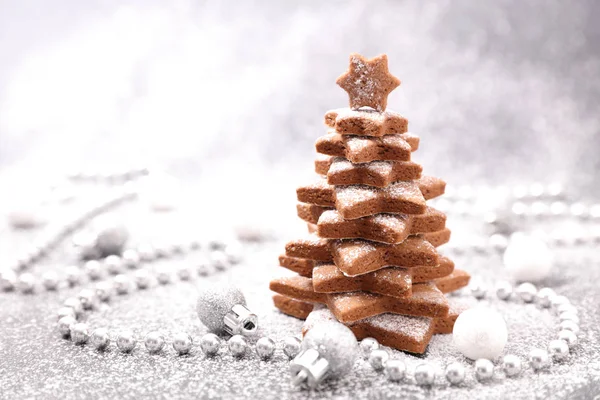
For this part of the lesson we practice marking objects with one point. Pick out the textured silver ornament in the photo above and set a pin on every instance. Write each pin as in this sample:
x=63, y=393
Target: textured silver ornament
x=378, y=358
x=424, y=375
x=455, y=373
x=50, y=280
x=126, y=341
x=237, y=346
x=210, y=344
x=539, y=359
x=504, y=290
x=79, y=333
x=527, y=292
x=395, y=370
x=182, y=343
x=484, y=369
x=544, y=297
x=569, y=337
x=291, y=346
x=367, y=345
x=569, y=325
x=100, y=338
x=329, y=350
x=154, y=342
x=511, y=365
x=64, y=325
x=558, y=349
x=265, y=347
x=222, y=308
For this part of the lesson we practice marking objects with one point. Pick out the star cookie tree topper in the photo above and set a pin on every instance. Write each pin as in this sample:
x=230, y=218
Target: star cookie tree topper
x=368, y=82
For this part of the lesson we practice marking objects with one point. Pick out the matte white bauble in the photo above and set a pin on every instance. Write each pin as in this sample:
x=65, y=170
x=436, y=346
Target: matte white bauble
x=480, y=333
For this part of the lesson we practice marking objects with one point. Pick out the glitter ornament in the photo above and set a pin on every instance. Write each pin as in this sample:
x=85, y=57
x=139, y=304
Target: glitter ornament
x=480, y=333
x=329, y=350
x=527, y=258
x=222, y=308
x=378, y=359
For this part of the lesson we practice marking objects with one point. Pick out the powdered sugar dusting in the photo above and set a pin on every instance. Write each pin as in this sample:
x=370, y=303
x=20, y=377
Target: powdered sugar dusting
x=417, y=328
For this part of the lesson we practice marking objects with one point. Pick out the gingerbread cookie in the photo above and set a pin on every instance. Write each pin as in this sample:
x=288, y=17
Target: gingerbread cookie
x=340, y=171
x=366, y=122
x=426, y=301
x=362, y=149
x=297, y=287
x=301, y=266
x=437, y=238
x=368, y=82
x=391, y=281
x=293, y=307
x=456, y=280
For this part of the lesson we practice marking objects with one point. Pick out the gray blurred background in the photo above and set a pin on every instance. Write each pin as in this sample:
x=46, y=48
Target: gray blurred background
x=232, y=94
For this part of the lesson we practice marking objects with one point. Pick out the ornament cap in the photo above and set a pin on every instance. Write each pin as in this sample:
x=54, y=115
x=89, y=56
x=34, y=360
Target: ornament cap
x=309, y=368
x=240, y=321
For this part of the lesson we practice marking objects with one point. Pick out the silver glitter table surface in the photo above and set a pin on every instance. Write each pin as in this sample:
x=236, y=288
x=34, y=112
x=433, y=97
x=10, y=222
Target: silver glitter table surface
x=36, y=363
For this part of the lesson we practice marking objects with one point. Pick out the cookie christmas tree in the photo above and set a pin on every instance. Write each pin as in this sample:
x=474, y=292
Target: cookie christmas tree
x=370, y=259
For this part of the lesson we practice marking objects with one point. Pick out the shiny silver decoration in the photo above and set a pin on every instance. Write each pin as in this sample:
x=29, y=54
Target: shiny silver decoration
x=504, y=290
x=367, y=345
x=424, y=375
x=237, y=346
x=569, y=338
x=539, y=359
x=154, y=342
x=126, y=341
x=484, y=369
x=265, y=348
x=378, y=358
x=395, y=370
x=100, y=339
x=210, y=344
x=222, y=308
x=182, y=343
x=455, y=373
x=512, y=365
x=309, y=368
x=558, y=349
x=291, y=346
x=79, y=333
x=527, y=292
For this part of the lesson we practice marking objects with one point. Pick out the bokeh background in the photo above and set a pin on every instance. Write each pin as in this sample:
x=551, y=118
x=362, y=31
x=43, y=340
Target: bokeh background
x=232, y=94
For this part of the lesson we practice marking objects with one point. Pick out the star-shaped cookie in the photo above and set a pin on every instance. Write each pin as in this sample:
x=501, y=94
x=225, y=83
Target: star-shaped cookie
x=368, y=82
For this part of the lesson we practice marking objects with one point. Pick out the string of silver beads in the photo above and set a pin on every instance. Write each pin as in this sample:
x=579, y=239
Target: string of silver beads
x=558, y=349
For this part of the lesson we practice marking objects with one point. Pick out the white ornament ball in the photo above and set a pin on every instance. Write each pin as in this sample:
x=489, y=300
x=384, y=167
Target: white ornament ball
x=480, y=333
x=527, y=258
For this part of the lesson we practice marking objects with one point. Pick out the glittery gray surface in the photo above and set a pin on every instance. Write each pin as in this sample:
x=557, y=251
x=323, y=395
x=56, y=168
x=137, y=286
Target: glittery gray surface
x=230, y=97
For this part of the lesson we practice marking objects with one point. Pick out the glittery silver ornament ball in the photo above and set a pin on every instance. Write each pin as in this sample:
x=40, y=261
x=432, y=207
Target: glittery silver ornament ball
x=569, y=337
x=511, y=365
x=378, y=358
x=424, y=375
x=182, y=343
x=539, y=359
x=100, y=338
x=477, y=290
x=291, y=346
x=455, y=373
x=569, y=325
x=265, y=347
x=504, y=290
x=527, y=292
x=544, y=297
x=237, y=345
x=154, y=342
x=214, y=302
x=64, y=325
x=484, y=369
x=395, y=370
x=558, y=349
x=336, y=343
x=367, y=345
x=126, y=341
x=79, y=333
x=210, y=344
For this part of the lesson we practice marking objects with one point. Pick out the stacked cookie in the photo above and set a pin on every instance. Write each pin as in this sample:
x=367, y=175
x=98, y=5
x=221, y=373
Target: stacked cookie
x=370, y=257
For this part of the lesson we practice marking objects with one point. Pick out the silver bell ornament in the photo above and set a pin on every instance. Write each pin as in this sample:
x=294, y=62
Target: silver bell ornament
x=222, y=308
x=329, y=350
